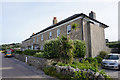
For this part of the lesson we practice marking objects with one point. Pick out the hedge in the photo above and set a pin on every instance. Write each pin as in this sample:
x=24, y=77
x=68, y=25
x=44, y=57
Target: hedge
x=79, y=48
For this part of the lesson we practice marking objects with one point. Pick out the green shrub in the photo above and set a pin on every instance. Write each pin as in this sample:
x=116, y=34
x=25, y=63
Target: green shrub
x=52, y=72
x=80, y=76
x=52, y=48
x=60, y=48
x=18, y=52
x=29, y=52
x=49, y=70
x=90, y=59
x=61, y=64
x=83, y=65
x=99, y=59
x=103, y=54
x=79, y=48
x=39, y=54
x=114, y=44
x=54, y=63
x=107, y=77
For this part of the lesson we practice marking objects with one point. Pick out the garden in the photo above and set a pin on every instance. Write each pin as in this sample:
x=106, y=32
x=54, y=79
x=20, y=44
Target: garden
x=64, y=50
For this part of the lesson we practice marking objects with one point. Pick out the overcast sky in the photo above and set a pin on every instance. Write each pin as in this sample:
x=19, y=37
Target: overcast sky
x=20, y=19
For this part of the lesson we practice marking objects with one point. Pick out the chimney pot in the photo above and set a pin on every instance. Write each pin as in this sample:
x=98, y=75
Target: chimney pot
x=54, y=17
x=54, y=20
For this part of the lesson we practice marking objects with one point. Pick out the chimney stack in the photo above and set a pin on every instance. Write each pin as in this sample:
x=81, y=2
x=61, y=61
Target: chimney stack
x=92, y=15
x=33, y=33
x=54, y=20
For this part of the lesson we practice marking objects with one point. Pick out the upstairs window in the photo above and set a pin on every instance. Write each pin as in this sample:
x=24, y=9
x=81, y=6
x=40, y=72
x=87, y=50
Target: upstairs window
x=50, y=35
x=37, y=38
x=68, y=29
x=33, y=39
x=58, y=32
x=42, y=37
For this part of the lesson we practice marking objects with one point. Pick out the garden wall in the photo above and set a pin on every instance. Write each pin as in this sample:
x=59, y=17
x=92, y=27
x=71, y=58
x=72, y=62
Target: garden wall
x=41, y=63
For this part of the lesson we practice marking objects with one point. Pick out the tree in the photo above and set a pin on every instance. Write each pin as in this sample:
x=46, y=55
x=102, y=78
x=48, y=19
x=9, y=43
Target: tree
x=66, y=49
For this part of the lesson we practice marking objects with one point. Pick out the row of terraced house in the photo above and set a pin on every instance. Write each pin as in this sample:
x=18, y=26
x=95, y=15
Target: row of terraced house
x=89, y=30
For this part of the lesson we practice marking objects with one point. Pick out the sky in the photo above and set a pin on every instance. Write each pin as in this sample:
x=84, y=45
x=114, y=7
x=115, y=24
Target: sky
x=19, y=19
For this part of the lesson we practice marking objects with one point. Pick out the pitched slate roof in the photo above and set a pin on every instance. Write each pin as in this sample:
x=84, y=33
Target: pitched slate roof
x=66, y=20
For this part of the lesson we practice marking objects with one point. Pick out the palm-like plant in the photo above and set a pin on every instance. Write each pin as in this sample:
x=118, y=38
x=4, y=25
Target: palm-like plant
x=74, y=26
x=66, y=51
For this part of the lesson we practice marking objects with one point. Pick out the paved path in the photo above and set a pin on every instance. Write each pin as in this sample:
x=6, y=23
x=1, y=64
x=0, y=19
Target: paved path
x=13, y=68
x=112, y=73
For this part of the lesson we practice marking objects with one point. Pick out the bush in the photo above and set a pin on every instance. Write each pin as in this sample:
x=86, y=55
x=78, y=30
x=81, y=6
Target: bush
x=107, y=77
x=18, y=51
x=52, y=48
x=80, y=76
x=79, y=48
x=61, y=48
x=90, y=59
x=39, y=54
x=99, y=59
x=84, y=65
x=30, y=52
x=52, y=72
x=49, y=70
x=103, y=54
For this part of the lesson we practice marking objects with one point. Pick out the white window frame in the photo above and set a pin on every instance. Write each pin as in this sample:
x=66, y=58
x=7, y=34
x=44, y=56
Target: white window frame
x=32, y=47
x=41, y=47
x=68, y=29
x=58, y=32
x=42, y=37
x=50, y=35
x=37, y=38
x=33, y=40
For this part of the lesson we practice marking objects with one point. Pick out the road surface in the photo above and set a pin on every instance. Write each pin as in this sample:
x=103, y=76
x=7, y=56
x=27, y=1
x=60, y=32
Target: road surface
x=13, y=68
x=115, y=74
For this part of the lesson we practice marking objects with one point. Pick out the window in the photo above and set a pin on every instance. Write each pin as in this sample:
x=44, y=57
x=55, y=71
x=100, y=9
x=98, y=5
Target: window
x=33, y=39
x=42, y=37
x=58, y=32
x=37, y=38
x=68, y=29
x=50, y=35
x=41, y=48
x=32, y=47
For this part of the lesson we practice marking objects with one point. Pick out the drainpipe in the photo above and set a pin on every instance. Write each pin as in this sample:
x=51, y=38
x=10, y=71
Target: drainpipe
x=89, y=50
x=82, y=27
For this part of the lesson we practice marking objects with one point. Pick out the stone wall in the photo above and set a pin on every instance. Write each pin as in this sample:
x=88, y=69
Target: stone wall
x=41, y=63
x=68, y=70
x=97, y=39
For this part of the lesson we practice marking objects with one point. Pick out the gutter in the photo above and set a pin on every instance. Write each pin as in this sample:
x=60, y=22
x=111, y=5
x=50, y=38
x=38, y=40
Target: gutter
x=82, y=27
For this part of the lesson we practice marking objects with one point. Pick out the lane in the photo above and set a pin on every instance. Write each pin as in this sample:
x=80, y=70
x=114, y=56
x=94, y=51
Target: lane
x=13, y=68
x=112, y=73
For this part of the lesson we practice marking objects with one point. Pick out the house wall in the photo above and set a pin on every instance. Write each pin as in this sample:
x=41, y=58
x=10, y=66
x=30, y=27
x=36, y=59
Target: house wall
x=63, y=31
x=87, y=37
x=93, y=35
x=97, y=39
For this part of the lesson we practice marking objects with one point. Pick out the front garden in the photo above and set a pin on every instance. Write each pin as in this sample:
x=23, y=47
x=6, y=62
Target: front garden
x=63, y=50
